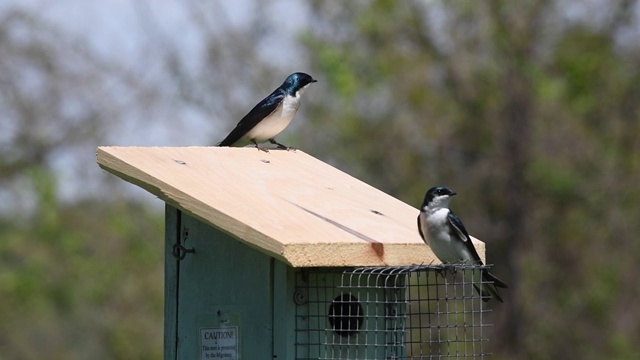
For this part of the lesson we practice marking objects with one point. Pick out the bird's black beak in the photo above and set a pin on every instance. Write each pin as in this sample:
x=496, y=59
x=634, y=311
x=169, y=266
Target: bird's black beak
x=453, y=194
x=314, y=80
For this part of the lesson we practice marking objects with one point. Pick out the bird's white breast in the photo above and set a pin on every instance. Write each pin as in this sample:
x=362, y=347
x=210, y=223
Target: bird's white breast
x=279, y=119
x=448, y=248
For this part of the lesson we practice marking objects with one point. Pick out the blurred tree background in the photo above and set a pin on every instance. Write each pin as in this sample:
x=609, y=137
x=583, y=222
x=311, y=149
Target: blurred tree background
x=530, y=110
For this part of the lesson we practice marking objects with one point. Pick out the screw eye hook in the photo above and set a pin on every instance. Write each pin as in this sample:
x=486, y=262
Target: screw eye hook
x=179, y=252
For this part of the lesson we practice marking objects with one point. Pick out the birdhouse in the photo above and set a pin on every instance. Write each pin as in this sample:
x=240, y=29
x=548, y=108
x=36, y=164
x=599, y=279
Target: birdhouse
x=278, y=255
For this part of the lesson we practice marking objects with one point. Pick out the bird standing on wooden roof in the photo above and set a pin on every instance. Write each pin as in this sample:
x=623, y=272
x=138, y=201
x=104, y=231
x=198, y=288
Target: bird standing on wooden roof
x=271, y=115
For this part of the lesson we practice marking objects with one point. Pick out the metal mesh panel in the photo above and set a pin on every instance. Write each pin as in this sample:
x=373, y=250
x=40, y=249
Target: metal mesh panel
x=414, y=312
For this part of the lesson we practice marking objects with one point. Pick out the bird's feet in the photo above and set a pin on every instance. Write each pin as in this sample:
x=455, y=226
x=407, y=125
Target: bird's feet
x=262, y=148
x=280, y=146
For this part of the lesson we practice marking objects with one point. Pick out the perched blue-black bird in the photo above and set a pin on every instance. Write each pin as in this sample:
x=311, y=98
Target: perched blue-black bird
x=443, y=231
x=271, y=115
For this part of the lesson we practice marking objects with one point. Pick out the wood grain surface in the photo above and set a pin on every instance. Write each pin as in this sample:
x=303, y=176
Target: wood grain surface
x=286, y=203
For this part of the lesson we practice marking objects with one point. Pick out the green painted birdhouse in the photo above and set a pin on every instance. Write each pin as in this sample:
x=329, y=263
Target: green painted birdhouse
x=280, y=256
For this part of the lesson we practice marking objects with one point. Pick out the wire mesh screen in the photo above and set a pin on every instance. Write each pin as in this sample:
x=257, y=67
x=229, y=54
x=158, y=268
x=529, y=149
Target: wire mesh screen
x=414, y=312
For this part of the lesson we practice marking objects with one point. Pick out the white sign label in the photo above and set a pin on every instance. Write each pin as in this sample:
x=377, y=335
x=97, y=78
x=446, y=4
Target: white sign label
x=219, y=343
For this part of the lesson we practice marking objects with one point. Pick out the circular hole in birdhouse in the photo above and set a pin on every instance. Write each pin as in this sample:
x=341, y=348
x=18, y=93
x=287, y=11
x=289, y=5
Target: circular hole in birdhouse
x=345, y=315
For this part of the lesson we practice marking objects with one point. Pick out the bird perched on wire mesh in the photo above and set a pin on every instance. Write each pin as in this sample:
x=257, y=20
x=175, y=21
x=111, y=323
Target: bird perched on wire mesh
x=443, y=231
x=271, y=115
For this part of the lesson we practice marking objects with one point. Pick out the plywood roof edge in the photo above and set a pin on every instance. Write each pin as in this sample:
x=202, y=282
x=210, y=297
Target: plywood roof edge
x=350, y=255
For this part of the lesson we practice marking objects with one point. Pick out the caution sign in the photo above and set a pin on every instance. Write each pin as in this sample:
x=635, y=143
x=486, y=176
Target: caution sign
x=219, y=343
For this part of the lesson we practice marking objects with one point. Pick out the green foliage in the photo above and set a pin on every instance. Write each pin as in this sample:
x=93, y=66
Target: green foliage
x=87, y=277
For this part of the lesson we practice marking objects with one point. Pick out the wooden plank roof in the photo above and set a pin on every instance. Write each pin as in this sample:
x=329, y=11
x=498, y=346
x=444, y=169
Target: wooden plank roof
x=288, y=204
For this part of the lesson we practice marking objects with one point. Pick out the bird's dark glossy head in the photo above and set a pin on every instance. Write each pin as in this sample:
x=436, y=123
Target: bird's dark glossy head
x=437, y=196
x=296, y=82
